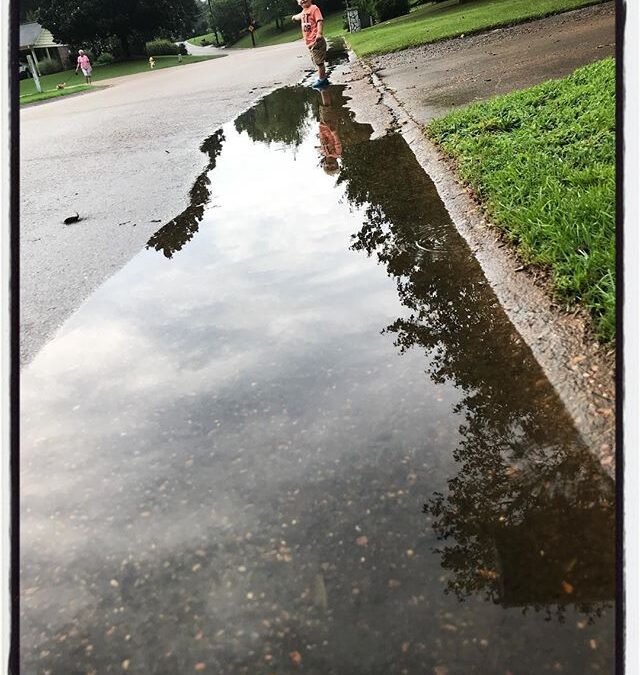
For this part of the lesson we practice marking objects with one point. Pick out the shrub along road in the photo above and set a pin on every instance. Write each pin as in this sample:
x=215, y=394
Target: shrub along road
x=125, y=158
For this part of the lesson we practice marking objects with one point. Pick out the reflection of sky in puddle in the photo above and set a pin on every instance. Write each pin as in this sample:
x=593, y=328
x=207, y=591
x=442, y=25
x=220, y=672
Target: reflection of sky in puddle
x=209, y=438
x=265, y=293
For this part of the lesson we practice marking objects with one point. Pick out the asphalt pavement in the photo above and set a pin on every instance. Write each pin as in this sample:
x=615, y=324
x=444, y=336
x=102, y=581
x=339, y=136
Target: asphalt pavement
x=124, y=157
x=300, y=434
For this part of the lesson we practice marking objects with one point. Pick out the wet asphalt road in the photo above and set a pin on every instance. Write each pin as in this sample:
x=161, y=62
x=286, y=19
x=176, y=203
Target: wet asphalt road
x=297, y=433
x=124, y=158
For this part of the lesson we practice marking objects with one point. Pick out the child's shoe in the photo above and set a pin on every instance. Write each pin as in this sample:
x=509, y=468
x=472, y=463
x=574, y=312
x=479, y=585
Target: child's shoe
x=321, y=83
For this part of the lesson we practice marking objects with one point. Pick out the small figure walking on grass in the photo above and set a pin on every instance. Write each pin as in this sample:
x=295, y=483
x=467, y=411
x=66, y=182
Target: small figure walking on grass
x=152, y=62
x=85, y=65
x=312, y=24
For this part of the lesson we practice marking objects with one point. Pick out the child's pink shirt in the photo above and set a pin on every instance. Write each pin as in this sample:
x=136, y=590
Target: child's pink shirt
x=309, y=23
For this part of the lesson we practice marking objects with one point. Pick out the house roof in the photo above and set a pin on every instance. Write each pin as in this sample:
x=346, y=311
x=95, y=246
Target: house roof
x=34, y=35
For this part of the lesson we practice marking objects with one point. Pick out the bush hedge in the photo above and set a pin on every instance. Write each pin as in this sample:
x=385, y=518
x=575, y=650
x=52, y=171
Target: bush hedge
x=105, y=59
x=161, y=48
x=49, y=66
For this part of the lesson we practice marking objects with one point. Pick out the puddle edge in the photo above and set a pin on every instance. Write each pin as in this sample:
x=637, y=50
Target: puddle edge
x=558, y=340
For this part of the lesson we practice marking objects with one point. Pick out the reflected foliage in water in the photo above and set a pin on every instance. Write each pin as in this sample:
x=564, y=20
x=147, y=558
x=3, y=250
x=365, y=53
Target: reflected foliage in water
x=531, y=526
x=286, y=116
x=177, y=232
x=280, y=117
x=283, y=116
x=529, y=518
x=242, y=482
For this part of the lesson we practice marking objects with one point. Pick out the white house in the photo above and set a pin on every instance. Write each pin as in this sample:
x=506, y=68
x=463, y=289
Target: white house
x=38, y=41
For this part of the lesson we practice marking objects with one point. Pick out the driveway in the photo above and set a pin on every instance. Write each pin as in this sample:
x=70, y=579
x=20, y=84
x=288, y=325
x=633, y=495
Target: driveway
x=124, y=157
x=433, y=79
x=202, y=51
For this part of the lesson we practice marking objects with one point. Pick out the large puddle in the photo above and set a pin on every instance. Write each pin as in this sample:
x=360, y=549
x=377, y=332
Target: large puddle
x=297, y=433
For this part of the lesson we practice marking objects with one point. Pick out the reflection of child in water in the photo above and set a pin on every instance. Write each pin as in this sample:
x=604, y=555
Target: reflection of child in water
x=330, y=145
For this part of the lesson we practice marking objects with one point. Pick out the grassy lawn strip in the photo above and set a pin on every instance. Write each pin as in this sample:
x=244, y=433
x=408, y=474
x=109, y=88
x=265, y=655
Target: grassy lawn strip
x=54, y=93
x=542, y=163
x=197, y=40
x=269, y=35
x=119, y=69
x=429, y=23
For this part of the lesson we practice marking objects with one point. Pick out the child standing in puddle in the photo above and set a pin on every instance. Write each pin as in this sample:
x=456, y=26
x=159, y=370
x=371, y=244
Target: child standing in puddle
x=312, y=24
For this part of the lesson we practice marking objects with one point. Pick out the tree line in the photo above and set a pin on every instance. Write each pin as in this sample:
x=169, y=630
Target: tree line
x=122, y=27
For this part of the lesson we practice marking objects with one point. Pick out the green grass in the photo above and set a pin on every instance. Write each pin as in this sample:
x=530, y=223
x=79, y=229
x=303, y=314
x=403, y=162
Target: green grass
x=119, y=69
x=53, y=93
x=270, y=35
x=542, y=163
x=430, y=23
x=197, y=40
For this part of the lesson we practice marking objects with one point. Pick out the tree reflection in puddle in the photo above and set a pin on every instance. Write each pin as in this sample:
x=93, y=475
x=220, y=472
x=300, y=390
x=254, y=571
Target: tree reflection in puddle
x=280, y=117
x=170, y=238
x=529, y=518
x=243, y=479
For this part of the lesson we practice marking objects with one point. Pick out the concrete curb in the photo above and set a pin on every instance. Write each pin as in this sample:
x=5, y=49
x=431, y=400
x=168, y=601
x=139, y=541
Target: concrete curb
x=580, y=370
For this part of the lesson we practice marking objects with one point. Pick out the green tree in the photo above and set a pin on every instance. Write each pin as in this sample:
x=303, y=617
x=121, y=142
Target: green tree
x=230, y=17
x=28, y=10
x=278, y=11
x=202, y=21
x=389, y=9
x=94, y=20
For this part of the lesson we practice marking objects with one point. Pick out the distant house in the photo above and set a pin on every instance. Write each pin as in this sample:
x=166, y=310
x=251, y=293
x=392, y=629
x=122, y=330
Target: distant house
x=38, y=41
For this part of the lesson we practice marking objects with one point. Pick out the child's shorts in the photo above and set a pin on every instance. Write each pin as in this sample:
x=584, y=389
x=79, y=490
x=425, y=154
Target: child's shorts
x=318, y=51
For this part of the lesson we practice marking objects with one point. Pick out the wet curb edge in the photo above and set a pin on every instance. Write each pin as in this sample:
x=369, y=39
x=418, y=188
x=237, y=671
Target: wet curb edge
x=581, y=371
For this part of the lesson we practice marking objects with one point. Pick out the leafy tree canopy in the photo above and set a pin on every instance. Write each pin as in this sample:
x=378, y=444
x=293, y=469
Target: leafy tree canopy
x=274, y=10
x=28, y=10
x=230, y=17
x=77, y=23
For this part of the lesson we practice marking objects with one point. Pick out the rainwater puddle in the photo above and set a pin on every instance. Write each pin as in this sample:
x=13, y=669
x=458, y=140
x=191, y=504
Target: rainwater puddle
x=298, y=434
